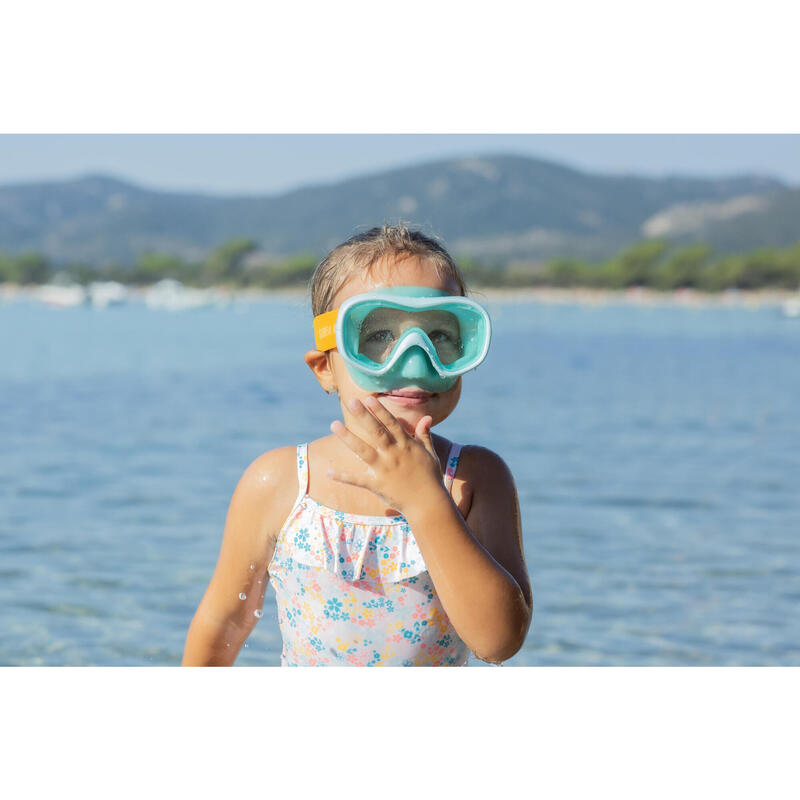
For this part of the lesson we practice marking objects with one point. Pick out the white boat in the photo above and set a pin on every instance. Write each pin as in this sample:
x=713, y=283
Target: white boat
x=103, y=294
x=61, y=295
x=172, y=295
x=791, y=307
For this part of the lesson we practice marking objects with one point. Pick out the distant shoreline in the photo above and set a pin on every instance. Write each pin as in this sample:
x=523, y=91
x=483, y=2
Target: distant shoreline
x=638, y=296
x=546, y=295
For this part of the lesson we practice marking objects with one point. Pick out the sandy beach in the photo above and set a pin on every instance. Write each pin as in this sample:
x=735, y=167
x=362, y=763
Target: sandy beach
x=638, y=296
x=730, y=298
x=641, y=297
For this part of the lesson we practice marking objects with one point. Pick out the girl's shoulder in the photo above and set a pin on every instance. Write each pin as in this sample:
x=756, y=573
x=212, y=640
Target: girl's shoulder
x=261, y=502
x=269, y=486
x=274, y=469
x=476, y=462
x=489, y=494
x=482, y=478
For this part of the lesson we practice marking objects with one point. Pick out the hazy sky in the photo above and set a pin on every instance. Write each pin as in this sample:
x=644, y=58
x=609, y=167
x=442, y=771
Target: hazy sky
x=273, y=163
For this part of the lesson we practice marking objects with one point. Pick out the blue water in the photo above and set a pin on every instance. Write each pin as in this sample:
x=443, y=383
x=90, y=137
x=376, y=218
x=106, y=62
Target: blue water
x=656, y=453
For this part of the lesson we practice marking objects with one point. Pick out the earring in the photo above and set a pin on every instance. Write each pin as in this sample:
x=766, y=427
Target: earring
x=330, y=390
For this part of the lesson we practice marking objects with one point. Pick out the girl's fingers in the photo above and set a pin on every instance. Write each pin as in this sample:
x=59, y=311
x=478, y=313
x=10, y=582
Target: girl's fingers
x=423, y=435
x=358, y=446
x=346, y=477
x=385, y=417
x=376, y=427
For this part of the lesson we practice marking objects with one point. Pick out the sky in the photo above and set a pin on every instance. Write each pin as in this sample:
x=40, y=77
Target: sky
x=273, y=163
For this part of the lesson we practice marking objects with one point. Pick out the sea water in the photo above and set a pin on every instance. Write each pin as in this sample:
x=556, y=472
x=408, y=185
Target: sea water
x=656, y=452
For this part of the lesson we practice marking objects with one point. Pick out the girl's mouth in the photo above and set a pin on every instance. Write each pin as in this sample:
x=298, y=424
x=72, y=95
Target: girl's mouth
x=408, y=397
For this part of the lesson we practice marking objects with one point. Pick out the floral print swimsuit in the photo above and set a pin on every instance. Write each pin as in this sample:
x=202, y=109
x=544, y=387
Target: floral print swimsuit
x=353, y=589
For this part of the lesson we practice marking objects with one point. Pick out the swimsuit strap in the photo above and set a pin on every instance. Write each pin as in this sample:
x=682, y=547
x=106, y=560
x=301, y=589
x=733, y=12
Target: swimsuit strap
x=302, y=471
x=452, y=465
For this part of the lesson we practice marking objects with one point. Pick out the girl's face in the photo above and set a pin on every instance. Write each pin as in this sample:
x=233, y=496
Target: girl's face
x=332, y=371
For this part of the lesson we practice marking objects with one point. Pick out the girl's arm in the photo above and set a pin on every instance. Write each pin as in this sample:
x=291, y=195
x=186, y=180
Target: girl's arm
x=477, y=564
x=227, y=612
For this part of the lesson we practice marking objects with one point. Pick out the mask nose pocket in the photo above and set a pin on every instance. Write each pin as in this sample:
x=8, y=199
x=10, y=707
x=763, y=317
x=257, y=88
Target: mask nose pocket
x=416, y=364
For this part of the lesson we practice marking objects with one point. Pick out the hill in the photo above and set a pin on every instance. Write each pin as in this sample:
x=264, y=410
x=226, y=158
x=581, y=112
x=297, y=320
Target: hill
x=494, y=207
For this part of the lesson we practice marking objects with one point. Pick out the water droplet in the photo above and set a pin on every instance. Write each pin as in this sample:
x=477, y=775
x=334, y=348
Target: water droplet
x=242, y=596
x=252, y=566
x=258, y=613
x=227, y=644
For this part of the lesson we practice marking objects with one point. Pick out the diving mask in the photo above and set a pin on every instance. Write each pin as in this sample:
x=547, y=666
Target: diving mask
x=401, y=335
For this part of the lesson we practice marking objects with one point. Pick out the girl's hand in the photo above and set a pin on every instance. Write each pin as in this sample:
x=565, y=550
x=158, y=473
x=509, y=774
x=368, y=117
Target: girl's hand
x=402, y=470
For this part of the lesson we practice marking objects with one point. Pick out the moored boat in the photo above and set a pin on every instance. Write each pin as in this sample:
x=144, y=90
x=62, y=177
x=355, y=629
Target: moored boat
x=172, y=295
x=103, y=294
x=61, y=295
x=791, y=307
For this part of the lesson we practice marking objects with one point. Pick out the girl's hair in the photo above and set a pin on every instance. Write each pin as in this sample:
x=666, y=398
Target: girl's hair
x=361, y=251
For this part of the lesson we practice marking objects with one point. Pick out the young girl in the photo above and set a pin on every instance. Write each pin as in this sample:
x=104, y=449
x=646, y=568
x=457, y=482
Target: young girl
x=386, y=544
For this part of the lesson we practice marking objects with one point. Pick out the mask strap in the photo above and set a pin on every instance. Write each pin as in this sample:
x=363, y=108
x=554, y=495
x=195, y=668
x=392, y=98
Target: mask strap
x=325, y=330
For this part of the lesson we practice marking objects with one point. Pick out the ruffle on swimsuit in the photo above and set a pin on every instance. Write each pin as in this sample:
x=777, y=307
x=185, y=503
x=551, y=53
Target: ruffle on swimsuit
x=355, y=550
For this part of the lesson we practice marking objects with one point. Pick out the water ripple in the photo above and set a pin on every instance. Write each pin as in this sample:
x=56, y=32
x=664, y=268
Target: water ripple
x=655, y=457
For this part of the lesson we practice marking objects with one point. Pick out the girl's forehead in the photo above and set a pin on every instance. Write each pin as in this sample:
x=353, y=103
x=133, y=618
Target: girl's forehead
x=408, y=272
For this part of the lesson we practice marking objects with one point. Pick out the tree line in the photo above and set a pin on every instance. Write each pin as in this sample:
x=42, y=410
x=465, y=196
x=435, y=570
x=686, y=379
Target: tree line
x=229, y=264
x=655, y=264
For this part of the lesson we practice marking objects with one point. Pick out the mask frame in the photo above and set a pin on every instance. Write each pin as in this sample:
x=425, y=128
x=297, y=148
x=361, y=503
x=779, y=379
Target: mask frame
x=413, y=359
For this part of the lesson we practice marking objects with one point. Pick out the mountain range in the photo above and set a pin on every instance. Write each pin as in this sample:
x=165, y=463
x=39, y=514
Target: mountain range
x=497, y=208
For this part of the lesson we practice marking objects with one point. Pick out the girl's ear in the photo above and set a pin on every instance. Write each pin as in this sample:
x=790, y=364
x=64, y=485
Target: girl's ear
x=319, y=363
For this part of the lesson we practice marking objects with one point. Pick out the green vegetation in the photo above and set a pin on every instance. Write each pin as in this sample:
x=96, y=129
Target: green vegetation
x=654, y=263
x=228, y=265
x=25, y=268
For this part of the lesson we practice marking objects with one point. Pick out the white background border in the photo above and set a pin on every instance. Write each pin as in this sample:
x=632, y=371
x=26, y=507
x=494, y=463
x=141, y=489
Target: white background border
x=686, y=66
x=416, y=67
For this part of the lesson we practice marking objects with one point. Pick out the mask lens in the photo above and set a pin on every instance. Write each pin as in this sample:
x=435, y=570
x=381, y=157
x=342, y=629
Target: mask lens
x=383, y=327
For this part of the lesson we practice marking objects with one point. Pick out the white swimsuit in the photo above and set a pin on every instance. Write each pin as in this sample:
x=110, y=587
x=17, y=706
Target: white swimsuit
x=354, y=589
